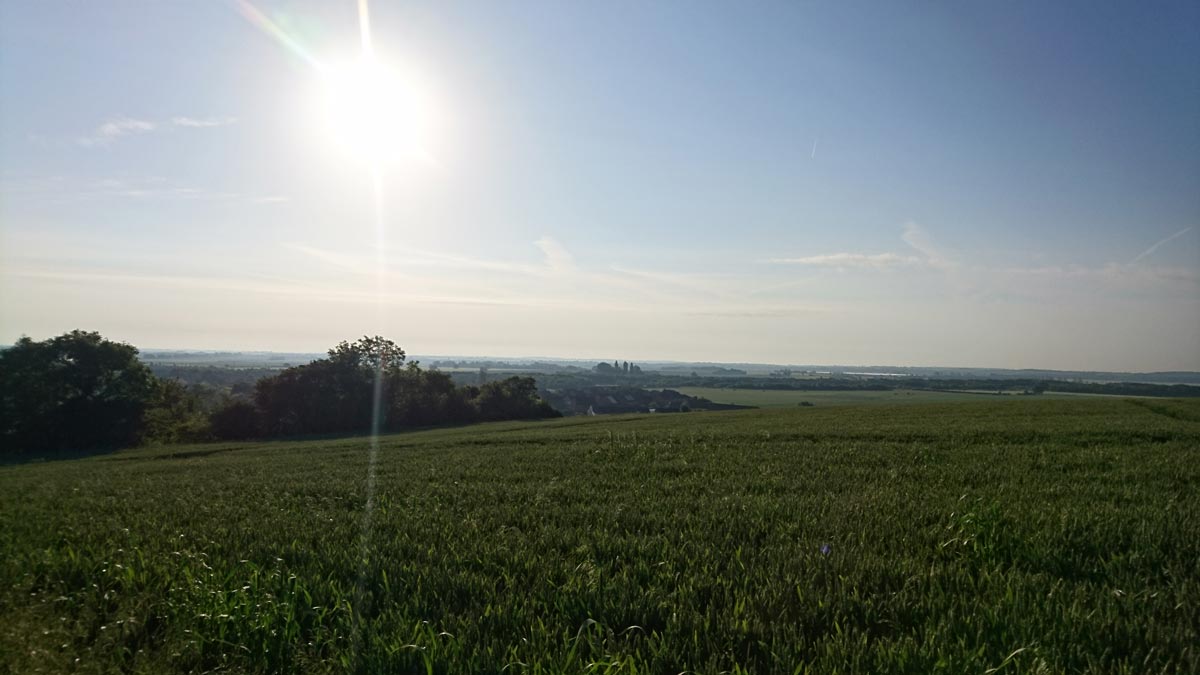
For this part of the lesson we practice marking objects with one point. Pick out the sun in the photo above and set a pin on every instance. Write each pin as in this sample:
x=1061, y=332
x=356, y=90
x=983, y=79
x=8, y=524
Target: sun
x=372, y=112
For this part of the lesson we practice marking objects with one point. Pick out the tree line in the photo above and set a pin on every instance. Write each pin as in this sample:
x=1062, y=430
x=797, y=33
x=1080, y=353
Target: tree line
x=617, y=368
x=80, y=391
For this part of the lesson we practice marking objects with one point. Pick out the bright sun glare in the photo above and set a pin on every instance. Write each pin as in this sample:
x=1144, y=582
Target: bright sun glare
x=373, y=113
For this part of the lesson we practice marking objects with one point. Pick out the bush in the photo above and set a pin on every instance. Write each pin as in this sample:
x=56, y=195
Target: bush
x=175, y=415
x=236, y=420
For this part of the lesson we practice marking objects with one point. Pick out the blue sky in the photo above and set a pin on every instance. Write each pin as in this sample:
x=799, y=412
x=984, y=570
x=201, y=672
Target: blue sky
x=1009, y=185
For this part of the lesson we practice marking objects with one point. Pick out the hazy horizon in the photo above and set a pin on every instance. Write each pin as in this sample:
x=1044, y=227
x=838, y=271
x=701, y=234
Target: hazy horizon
x=1010, y=186
x=593, y=359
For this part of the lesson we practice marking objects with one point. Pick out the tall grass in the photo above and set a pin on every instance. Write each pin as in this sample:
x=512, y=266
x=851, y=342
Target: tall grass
x=1014, y=536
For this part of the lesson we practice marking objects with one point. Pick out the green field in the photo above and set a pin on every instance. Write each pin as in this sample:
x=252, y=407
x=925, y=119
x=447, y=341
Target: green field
x=777, y=398
x=1023, y=535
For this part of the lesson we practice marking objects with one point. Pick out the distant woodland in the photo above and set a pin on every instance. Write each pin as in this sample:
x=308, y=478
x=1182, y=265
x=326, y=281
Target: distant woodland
x=80, y=392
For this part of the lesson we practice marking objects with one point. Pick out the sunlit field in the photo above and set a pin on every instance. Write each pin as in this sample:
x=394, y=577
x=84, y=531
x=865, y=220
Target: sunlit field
x=1026, y=535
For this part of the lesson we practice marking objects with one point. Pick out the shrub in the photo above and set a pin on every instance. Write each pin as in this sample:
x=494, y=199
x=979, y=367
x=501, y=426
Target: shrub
x=236, y=420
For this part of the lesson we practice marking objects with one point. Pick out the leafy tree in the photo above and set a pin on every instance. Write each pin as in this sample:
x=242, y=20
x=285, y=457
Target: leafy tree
x=319, y=397
x=236, y=420
x=176, y=414
x=330, y=395
x=338, y=394
x=514, y=398
x=418, y=397
x=77, y=391
x=369, y=352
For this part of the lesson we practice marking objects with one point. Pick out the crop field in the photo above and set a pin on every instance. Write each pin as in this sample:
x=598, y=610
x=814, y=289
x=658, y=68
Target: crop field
x=1030, y=535
x=775, y=398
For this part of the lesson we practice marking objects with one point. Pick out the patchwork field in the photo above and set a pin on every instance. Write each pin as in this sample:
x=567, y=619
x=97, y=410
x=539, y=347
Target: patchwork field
x=976, y=536
x=778, y=398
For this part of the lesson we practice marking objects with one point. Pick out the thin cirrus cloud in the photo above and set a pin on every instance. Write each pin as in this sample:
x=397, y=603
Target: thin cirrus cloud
x=853, y=260
x=524, y=283
x=118, y=127
x=914, y=235
x=110, y=131
x=558, y=259
x=202, y=122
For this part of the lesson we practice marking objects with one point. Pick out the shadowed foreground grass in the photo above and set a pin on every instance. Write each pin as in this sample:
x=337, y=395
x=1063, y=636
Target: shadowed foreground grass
x=1024, y=536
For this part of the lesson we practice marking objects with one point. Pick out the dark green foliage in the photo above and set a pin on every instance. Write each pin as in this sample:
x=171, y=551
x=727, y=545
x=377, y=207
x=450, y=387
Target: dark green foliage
x=222, y=378
x=176, y=415
x=514, y=398
x=76, y=391
x=1027, y=535
x=331, y=395
x=337, y=394
x=236, y=420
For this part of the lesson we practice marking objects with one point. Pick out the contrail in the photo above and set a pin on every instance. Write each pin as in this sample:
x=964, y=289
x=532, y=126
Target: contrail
x=814, y=150
x=1154, y=248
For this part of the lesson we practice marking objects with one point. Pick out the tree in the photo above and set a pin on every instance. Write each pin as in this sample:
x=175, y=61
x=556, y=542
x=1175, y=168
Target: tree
x=236, y=420
x=515, y=398
x=338, y=394
x=369, y=352
x=321, y=397
x=330, y=395
x=175, y=414
x=77, y=391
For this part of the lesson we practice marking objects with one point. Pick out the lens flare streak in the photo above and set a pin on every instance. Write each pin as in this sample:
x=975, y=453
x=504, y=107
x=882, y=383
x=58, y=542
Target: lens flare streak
x=261, y=21
x=378, y=411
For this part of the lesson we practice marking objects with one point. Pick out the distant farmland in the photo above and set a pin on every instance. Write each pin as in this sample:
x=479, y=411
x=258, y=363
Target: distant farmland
x=1023, y=534
x=774, y=398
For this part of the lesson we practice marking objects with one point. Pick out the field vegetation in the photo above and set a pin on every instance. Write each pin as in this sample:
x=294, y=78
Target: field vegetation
x=1028, y=535
x=774, y=398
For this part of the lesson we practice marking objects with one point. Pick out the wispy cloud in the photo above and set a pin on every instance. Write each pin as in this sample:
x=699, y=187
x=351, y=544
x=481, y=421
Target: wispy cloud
x=57, y=189
x=853, y=260
x=978, y=282
x=149, y=188
x=558, y=258
x=1154, y=247
x=782, y=312
x=557, y=281
x=201, y=122
x=115, y=128
x=108, y=132
x=343, y=261
x=1116, y=275
x=915, y=236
